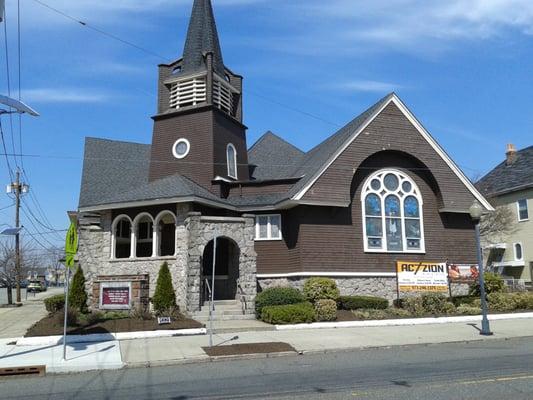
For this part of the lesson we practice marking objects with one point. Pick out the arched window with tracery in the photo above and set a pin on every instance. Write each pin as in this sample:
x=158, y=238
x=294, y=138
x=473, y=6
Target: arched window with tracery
x=392, y=213
x=122, y=237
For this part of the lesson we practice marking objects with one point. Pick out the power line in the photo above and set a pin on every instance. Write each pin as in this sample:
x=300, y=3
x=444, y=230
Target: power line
x=19, y=45
x=100, y=31
x=6, y=207
x=5, y=150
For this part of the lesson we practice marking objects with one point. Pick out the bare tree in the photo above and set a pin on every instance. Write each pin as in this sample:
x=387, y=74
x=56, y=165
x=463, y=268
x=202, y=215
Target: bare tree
x=497, y=226
x=7, y=268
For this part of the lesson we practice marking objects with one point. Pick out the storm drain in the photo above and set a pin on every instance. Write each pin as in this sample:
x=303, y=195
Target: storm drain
x=36, y=370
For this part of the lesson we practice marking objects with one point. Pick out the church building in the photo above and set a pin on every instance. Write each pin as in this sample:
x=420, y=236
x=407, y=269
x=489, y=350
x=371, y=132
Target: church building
x=378, y=190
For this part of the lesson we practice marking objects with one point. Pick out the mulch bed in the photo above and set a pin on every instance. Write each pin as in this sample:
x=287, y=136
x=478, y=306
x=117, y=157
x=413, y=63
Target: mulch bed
x=248, y=348
x=345, y=315
x=53, y=325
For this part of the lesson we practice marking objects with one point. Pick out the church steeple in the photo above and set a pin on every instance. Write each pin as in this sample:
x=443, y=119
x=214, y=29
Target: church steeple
x=202, y=39
x=198, y=130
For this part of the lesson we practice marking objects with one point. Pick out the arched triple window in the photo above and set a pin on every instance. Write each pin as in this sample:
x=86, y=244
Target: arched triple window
x=231, y=159
x=121, y=229
x=144, y=236
x=392, y=213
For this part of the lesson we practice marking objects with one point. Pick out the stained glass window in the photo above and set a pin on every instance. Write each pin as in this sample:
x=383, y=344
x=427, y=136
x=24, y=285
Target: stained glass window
x=392, y=211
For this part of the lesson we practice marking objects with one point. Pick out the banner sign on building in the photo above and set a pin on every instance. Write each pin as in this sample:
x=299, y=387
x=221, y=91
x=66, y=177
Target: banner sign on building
x=463, y=273
x=421, y=276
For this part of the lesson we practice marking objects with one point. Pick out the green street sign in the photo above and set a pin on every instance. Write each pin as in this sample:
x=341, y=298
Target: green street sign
x=71, y=245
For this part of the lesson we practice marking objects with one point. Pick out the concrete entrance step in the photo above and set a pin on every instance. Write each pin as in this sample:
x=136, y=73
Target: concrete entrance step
x=218, y=312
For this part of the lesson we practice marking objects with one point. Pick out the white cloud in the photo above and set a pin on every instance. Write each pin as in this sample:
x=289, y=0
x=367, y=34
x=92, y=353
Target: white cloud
x=66, y=95
x=368, y=86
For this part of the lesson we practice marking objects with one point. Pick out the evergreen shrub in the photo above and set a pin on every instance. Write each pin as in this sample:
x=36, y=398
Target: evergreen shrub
x=277, y=296
x=77, y=296
x=320, y=288
x=164, y=298
x=358, y=302
x=289, y=314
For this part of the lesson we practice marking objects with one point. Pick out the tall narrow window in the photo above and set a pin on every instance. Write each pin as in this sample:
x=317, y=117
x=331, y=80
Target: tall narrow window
x=231, y=156
x=122, y=237
x=518, y=256
x=392, y=213
x=523, y=212
x=144, y=234
x=166, y=234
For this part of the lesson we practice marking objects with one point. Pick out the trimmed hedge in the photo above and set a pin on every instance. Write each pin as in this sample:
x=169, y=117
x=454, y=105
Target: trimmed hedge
x=320, y=288
x=54, y=303
x=289, y=314
x=493, y=284
x=362, y=302
x=277, y=296
x=326, y=310
x=463, y=300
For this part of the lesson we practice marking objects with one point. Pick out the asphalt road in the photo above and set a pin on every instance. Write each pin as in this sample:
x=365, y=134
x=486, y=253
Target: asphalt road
x=490, y=370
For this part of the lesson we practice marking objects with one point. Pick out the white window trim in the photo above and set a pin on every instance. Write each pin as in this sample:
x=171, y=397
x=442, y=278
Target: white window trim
x=269, y=228
x=521, y=250
x=518, y=210
x=113, y=235
x=230, y=145
x=417, y=195
x=175, y=153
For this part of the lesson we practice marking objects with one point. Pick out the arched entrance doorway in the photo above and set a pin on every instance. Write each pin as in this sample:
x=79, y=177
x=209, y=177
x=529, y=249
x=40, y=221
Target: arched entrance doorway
x=226, y=269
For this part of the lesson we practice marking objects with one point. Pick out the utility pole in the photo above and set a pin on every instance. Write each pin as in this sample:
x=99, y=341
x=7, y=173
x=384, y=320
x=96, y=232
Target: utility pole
x=18, y=188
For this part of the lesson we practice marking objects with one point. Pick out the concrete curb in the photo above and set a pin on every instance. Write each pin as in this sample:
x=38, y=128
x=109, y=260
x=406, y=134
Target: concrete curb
x=106, y=337
x=402, y=322
x=208, y=359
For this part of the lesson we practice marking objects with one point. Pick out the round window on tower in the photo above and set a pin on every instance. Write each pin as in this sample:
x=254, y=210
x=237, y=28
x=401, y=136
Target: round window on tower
x=181, y=148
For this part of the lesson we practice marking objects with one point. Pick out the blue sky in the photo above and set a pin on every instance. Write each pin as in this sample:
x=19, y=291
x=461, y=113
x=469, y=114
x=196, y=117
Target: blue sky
x=463, y=67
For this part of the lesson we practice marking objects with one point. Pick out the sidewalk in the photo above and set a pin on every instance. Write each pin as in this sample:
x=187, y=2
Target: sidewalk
x=162, y=351
x=114, y=354
x=15, y=321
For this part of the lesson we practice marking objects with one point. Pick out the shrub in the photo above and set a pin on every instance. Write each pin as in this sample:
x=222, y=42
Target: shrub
x=414, y=305
x=370, y=314
x=142, y=313
x=320, y=288
x=326, y=310
x=493, y=284
x=434, y=303
x=501, y=302
x=94, y=317
x=289, y=314
x=465, y=309
x=164, y=297
x=77, y=297
x=357, y=302
x=463, y=300
x=112, y=315
x=524, y=300
x=277, y=296
x=398, y=312
x=54, y=303
x=72, y=317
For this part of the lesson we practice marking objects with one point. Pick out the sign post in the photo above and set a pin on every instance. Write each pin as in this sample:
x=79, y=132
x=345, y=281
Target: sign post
x=71, y=248
x=212, y=299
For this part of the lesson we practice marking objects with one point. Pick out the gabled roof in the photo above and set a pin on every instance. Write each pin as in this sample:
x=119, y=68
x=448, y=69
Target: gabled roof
x=202, y=37
x=272, y=157
x=117, y=172
x=508, y=178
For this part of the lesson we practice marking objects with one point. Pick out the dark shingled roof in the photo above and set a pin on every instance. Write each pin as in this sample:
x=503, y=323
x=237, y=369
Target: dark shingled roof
x=272, y=157
x=117, y=172
x=507, y=178
x=202, y=37
x=317, y=157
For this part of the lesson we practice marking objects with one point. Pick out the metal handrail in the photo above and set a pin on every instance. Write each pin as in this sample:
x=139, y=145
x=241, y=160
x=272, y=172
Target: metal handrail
x=243, y=298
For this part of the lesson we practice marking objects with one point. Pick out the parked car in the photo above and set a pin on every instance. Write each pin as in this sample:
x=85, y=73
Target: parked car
x=36, y=286
x=23, y=284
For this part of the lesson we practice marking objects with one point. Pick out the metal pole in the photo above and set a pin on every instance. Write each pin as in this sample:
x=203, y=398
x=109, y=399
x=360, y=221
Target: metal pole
x=17, y=235
x=67, y=276
x=485, y=327
x=212, y=300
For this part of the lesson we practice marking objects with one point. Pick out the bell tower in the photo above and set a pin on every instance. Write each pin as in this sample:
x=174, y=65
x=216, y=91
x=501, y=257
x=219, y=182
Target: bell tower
x=198, y=130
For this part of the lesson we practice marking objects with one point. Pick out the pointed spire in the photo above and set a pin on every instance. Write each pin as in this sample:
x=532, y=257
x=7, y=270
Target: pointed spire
x=202, y=37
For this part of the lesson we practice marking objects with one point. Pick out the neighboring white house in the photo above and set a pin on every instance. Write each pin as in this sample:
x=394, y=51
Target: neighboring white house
x=510, y=184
